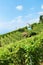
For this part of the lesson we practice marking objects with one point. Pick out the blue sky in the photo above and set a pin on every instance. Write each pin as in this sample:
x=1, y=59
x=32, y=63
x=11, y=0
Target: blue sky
x=17, y=13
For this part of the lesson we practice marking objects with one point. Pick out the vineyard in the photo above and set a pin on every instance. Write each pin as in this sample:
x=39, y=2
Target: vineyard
x=22, y=46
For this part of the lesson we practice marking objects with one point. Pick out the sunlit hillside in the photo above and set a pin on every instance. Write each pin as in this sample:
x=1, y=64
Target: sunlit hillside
x=23, y=46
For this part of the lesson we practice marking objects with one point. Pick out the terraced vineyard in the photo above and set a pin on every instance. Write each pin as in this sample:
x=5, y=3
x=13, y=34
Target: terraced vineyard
x=23, y=46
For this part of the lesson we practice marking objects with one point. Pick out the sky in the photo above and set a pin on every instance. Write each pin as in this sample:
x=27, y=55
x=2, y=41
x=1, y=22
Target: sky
x=15, y=14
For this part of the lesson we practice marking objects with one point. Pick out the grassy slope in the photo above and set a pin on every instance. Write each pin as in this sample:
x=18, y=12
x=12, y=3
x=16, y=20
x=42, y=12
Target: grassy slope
x=29, y=41
x=16, y=35
x=10, y=50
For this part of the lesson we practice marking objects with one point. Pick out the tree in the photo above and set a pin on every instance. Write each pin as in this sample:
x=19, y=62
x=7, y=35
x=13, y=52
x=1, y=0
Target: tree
x=41, y=18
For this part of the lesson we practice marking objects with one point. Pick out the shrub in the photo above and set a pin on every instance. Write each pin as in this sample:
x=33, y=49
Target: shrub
x=32, y=34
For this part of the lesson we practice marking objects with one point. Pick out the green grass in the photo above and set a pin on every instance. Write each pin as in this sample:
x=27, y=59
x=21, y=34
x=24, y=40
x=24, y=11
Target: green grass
x=11, y=51
x=16, y=49
x=16, y=35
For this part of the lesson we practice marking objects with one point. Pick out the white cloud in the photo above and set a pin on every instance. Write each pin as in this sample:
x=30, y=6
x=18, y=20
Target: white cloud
x=33, y=20
x=19, y=7
x=11, y=25
x=16, y=23
x=41, y=6
x=40, y=13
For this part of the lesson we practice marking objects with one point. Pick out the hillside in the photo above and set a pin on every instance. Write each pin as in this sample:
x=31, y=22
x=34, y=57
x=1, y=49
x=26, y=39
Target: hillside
x=19, y=53
x=20, y=34
x=22, y=46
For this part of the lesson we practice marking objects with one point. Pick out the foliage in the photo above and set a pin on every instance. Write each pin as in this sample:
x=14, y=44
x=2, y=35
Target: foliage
x=27, y=51
x=41, y=19
x=16, y=49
